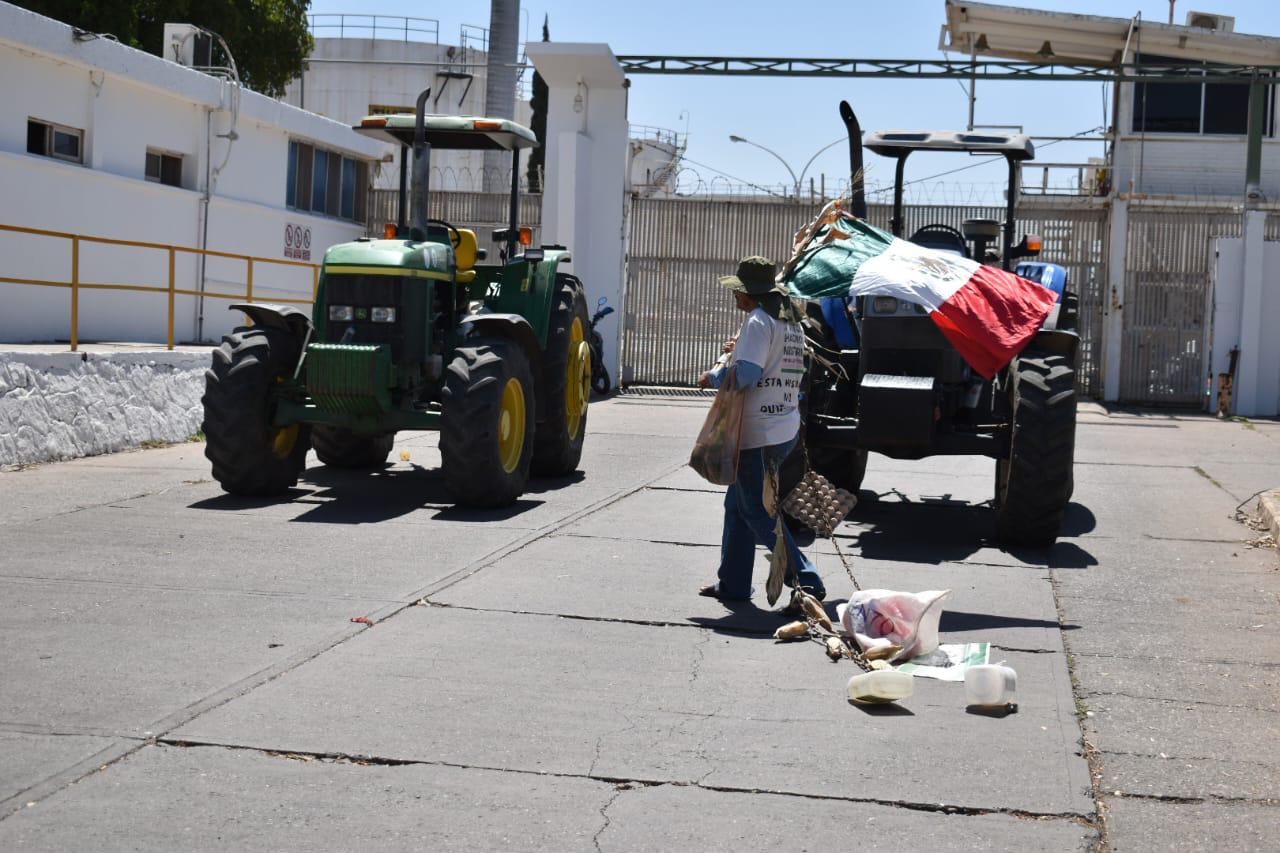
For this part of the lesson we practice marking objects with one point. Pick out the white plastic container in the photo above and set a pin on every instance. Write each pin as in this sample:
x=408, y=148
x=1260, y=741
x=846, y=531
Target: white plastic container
x=884, y=685
x=991, y=685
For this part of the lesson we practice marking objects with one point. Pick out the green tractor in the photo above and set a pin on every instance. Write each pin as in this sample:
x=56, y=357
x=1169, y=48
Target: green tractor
x=413, y=332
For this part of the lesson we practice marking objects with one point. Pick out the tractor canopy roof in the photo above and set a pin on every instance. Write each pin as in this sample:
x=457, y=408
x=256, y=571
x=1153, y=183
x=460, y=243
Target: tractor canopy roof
x=900, y=143
x=468, y=133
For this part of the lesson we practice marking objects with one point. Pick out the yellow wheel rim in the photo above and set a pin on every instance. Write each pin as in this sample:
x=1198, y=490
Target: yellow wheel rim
x=282, y=443
x=511, y=423
x=577, y=386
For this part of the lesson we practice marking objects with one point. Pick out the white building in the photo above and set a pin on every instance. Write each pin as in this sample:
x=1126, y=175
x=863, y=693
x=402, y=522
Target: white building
x=1171, y=139
x=366, y=65
x=368, y=71
x=101, y=140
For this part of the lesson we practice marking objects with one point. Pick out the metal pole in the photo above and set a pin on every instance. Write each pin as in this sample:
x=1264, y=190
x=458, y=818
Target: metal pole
x=172, y=283
x=75, y=293
x=794, y=180
x=402, y=214
x=1005, y=260
x=896, y=225
x=248, y=286
x=1253, y=153
x=513, y=230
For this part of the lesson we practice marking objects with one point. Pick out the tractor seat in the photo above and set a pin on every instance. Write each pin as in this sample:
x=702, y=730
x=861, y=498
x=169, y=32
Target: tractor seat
x=466, y=253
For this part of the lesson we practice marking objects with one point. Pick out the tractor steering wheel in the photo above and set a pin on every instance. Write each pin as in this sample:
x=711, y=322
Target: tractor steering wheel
x=454, y=237
x=956, y=235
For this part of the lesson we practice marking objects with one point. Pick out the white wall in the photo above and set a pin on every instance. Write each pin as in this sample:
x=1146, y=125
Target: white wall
x=126, y=101
x=1246, y=311
x=584, y=200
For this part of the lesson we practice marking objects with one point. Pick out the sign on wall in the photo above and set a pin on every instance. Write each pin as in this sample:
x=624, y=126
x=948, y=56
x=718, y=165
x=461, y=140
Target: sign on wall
x=297, y=242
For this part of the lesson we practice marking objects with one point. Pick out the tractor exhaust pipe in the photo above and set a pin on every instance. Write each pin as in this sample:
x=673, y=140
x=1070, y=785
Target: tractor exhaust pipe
x=421, y=170
x=856, y=183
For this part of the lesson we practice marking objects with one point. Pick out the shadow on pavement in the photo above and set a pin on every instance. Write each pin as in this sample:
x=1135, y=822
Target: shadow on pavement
x=958, y=620
x=941, y=530
x=345, y=496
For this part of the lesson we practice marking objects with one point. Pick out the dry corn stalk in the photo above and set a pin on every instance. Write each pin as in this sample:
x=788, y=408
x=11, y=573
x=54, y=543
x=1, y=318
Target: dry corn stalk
x=792, y=630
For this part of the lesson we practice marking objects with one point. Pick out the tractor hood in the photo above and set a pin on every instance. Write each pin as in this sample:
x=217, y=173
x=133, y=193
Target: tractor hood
x=403, y=256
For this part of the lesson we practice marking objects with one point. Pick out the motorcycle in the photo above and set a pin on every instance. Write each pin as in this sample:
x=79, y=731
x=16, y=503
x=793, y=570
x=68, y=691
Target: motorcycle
x=600, y=382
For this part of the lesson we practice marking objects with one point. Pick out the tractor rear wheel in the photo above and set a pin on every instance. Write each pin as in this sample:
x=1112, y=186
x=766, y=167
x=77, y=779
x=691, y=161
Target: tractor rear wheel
x=487, y=427
x=1034, y=484
x=342, y=448
x=566, y=383
x=844, y=468
x=250, y=456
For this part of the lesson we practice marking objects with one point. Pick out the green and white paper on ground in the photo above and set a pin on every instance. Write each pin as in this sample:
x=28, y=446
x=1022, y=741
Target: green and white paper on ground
x=959, y=656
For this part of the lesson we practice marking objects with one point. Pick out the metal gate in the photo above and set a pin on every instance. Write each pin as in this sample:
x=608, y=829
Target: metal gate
x=676, y=316
x=1167, y=273
x=481, y=212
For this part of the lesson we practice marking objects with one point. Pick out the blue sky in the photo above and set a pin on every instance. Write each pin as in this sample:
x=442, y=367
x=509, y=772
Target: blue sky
x=797, y=116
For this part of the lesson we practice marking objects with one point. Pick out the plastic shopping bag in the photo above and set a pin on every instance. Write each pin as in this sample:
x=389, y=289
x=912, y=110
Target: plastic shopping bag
x=715, y=453
x=883, y=617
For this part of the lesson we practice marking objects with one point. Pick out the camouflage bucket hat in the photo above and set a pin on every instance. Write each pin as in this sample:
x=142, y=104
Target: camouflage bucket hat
x=755, y=276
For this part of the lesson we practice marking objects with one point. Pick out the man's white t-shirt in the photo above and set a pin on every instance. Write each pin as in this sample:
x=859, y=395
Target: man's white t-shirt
x=770, y=415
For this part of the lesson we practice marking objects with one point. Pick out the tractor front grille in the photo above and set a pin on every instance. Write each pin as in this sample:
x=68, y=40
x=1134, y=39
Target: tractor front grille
x=367, y=291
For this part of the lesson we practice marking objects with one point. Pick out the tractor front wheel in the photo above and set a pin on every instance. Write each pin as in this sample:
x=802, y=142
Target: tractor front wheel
x=566, y=387
x=487, y=427
x=342, y=448
x=844, y=468
x=1034, y=483
x=250, y=456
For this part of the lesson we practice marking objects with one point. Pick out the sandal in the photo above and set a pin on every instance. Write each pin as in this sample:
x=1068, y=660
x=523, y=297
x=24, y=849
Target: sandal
x=712, y=590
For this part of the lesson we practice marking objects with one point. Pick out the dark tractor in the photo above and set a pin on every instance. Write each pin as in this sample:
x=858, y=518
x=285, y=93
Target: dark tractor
x=893, y=384
x=413, y=332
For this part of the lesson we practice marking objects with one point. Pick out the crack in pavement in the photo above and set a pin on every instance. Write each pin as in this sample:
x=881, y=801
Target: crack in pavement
x=626, y=783
x=112, y=754
x=1167, y=757
x=619, y=620
x=1174, y=799
x=604, y=815
x=1181, y=660
x=1145, y=698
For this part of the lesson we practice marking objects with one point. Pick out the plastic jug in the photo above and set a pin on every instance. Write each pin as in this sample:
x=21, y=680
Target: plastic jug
x=991, y=685
x=884, y=685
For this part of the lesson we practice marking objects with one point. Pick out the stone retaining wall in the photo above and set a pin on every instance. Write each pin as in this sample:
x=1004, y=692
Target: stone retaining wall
x=64, y=405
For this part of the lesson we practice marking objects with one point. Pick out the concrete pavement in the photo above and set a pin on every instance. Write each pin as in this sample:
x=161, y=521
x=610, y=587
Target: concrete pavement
x=180, y=670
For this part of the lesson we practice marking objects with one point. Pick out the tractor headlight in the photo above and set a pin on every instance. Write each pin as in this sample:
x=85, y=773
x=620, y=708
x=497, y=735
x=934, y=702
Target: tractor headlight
x=381, y=314
x=885, y=305
x=341, y=313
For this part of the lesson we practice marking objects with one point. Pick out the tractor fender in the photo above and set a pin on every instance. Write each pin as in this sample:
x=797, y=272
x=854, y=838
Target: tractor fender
x=1058, y=342
x=511, y=326
x=283, y=317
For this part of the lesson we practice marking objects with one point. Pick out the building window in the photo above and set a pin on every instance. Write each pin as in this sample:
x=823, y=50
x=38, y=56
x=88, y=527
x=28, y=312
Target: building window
x=325, y=182
x=55, y=140
x=1193, y=107
x=164, y=168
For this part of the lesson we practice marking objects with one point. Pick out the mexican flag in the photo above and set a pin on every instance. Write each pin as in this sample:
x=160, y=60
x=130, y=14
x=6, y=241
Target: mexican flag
x=987, y=314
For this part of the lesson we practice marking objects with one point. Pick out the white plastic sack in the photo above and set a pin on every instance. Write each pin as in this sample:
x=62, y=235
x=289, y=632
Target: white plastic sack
x=883, y=617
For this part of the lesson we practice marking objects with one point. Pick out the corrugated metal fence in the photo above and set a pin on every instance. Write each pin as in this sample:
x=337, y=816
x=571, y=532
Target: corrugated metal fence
x=676, y=317
x=1168, y=262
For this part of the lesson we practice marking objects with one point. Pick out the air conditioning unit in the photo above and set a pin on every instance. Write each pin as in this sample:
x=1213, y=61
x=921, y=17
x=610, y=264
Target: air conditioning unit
x=1210, y=21
x=187, y=44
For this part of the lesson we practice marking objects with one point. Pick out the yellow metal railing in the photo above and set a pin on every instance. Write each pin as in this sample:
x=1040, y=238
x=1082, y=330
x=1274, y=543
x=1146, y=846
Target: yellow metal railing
x=172, y=290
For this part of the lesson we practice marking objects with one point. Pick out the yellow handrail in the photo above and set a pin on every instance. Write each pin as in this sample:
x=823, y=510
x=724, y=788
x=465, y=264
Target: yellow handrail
x=172, y=290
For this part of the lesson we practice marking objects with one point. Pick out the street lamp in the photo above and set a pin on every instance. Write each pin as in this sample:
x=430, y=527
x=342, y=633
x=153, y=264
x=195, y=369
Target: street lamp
x=798, y=181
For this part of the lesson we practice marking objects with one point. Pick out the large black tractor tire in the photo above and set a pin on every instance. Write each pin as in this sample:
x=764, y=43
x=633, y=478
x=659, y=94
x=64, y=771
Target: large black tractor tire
x=249, y=455
x=566, y=382
x=342, y=448
x=1034, y=484
x=844, y=468
x=487, y=427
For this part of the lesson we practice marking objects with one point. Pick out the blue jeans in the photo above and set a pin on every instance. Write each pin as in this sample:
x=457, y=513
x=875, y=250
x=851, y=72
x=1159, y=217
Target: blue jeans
x=747, y=524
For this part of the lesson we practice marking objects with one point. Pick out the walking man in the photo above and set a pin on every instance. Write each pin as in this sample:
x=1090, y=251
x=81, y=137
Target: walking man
x=768, y=356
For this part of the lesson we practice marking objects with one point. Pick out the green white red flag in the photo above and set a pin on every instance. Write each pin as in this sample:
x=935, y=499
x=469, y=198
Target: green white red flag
x=986, y=313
